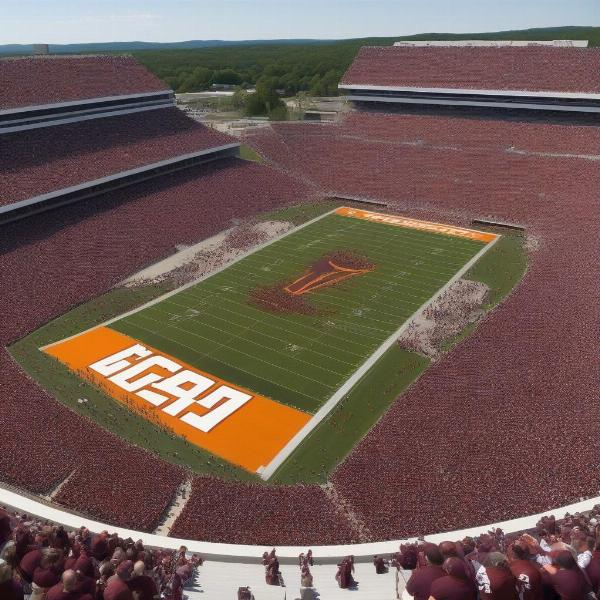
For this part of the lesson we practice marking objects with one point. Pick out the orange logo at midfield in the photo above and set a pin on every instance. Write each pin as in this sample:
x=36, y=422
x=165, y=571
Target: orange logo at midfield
x=326, y=272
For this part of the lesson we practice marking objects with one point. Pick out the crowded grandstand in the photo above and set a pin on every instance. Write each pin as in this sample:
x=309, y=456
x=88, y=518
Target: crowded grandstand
x=101, y=175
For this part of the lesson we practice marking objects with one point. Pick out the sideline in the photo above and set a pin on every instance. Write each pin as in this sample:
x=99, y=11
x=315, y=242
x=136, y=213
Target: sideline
x=238, y=553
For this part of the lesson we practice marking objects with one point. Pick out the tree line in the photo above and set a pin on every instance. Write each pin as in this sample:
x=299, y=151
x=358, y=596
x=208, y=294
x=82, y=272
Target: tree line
x=315, y=68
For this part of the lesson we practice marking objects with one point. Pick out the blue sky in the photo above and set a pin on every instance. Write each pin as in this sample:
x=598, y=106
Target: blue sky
x=64, y=21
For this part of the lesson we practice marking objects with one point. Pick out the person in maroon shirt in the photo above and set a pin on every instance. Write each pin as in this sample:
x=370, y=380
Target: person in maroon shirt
x=568, y=579
x=86, y=575
x=66, y=589
x=529, y=579
x=593, y=569
x=495, y=580
x=72, y=559
x=42, y=568
x=421, y=579
x=141, y=585
x=455, y=585
x=10, y=589
x=116, y=587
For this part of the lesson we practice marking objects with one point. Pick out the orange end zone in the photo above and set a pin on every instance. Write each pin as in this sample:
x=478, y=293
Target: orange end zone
x=375, y=217
x=244, y=428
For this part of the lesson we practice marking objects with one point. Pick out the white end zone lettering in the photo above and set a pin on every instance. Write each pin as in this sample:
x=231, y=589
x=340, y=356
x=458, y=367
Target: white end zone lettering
x=223, y=401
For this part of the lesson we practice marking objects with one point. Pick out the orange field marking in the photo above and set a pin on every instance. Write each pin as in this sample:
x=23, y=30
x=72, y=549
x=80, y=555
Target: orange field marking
x=250, y=436
x=415, y=224
x=313, y=280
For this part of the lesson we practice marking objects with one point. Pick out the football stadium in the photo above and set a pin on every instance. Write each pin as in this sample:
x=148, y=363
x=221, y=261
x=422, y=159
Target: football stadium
x=370, y=353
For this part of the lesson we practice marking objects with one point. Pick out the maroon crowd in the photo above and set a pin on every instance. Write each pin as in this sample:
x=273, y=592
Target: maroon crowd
x=524, y=373
x=477, y=68
x=559, y=561
x=42, y=561
x=32, y=163
x=33, y=81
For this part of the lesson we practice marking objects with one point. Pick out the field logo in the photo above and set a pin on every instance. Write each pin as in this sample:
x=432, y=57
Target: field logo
x=327, y=272
x=288, y=297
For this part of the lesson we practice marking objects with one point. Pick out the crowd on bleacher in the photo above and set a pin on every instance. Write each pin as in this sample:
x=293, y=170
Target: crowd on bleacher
x=558, y=561
x=43, y=561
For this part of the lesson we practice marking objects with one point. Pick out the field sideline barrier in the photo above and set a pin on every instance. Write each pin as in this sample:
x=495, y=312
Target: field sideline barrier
x=287, y=554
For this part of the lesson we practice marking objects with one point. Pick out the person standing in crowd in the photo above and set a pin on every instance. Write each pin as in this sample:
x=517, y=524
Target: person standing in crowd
x=66, y=589
x=567, y=578
x=495, y=580
x=116, y=587
x=455, y=585
x=141, y=585
x=422, y=578
x=593, y=569
x=527, y=574
x=10, y=588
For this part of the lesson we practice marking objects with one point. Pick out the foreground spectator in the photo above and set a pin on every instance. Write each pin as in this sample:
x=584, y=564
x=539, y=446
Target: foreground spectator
x=421, y=579
x=117, y=588
x=66, y=589
x=455, y=585
x=142, y=585
x=527, y=574
x=569, y=581
x=495, y=580
x=10, y=588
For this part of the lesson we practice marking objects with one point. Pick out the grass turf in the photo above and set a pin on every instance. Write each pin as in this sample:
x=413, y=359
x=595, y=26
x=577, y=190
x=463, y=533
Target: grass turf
x=299, y=359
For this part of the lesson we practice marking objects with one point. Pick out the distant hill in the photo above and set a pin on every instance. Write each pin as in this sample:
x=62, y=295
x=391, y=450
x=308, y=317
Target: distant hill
x=16, y=49
x=546, y=33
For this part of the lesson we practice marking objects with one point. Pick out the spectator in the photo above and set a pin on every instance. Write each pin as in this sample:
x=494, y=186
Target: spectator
x=567, y=578
x=584, y=551
x=495, y=580
x=10, y=588
x=380, y=565
x=141, y=585
x=422, y=578
x=116, y=587
x=527, y=574
x=66, y=589
x=593, y=569
x=455, y=585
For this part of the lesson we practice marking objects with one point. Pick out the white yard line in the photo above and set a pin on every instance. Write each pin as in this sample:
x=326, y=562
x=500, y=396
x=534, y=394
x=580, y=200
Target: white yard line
x=266, y=472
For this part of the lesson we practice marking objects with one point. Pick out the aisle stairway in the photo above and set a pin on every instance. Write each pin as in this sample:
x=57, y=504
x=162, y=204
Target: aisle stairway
x=220, y=581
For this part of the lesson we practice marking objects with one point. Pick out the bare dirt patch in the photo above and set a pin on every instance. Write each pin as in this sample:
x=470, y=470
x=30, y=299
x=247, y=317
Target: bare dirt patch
x=190, y=263
x=459, y=306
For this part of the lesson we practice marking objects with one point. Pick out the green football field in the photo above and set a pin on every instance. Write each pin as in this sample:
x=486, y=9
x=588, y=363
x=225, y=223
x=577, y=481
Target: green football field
x=302, y=359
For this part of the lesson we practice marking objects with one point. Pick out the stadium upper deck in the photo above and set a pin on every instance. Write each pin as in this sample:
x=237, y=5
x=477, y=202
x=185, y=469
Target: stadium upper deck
x=73, y=127
x=35, y=164
x=40, y=80
x=537, y=77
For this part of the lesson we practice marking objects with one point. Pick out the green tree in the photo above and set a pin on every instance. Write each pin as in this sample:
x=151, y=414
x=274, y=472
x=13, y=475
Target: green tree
x=227, y=76
x=240, y=98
